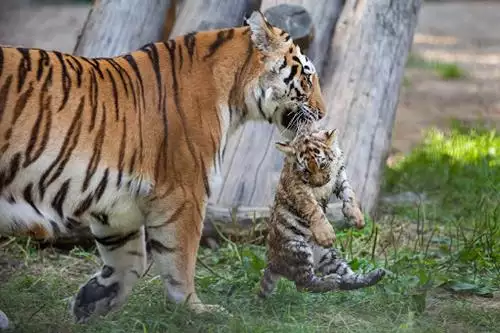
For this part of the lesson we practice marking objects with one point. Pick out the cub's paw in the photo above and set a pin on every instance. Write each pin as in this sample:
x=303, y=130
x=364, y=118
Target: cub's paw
x=354, y=215
x=324, y=234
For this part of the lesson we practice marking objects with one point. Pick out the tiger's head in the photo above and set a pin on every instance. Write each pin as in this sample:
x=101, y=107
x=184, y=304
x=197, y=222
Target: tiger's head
x=310, y=156
x=287, y=92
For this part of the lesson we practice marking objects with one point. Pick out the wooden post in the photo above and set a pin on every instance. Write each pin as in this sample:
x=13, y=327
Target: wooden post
x=369, y=51
x=115, y=27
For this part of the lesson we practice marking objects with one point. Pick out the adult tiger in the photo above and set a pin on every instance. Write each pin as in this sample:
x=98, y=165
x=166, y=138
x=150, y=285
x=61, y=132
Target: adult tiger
x=127, y=144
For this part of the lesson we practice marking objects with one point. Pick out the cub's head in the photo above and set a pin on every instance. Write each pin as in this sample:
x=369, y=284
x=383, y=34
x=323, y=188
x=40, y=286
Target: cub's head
x=311, y=156
x=287, y=92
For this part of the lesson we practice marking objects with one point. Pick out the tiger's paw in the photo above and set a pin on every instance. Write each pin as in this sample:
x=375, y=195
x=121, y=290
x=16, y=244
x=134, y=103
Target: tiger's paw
x=95, y=298
x=324, y=234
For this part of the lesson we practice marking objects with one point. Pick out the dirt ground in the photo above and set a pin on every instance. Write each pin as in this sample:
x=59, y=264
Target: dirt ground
x=465, y=33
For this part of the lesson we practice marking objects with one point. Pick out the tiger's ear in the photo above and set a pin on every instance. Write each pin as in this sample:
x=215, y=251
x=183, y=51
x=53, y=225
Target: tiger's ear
x=285, y=148
x=263, y=37
x=330, y=136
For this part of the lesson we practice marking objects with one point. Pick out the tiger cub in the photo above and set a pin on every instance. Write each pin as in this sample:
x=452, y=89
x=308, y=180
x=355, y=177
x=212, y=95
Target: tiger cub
x=300, y=236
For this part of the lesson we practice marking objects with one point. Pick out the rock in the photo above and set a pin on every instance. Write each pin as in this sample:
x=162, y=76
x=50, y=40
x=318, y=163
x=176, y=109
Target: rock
x=295, y=20
x=4, y=321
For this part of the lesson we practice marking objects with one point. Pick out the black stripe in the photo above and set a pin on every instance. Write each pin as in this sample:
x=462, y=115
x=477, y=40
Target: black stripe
x=175, y=87
x=21, y=103
x=95, y=64
x=181, y=58
x=101, y=187
x=116, y=241
x=121, y=153
x=131, y=61
x=69, y=144
x=44, y=111
x=24, y=67
x=66, y=80
x=293, y=72
x=122, y=73
x=78, y=69
x=55, y=227
x=7, y=178
x=159, y=247
x=96, y=151
x=28, y=197
x=115, y=94
x=60, y=197
x=72, y=224
x=4, y=91
x=94, y=98
x=152, y=52
x=131, y=168
x=101, y=217
x=172, y=219
x=223, y=36
x=84, y=205
x=205, y=177
x=190, y=43
x=43, y=62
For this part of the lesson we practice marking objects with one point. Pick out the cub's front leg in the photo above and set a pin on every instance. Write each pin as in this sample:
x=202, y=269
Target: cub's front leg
x=350, y=207
x=321, y=229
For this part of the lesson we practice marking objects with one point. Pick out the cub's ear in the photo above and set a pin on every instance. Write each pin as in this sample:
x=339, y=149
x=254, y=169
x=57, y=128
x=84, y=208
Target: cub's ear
x=264, y=36
x=285, y=148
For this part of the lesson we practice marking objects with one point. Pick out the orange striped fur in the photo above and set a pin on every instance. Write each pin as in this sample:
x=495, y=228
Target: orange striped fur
x=128, y=145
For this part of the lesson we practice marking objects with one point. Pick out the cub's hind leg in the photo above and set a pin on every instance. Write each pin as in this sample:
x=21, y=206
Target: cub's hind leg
x=123, y=252
x=298, y=266
x=327, y=261
x=268, y=282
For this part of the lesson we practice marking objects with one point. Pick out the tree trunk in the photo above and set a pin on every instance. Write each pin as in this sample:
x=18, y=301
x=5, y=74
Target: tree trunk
x=115, y=27
x=370, y=47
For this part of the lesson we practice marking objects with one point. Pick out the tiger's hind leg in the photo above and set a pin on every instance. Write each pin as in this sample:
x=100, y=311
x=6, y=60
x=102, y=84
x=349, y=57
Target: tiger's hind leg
x=124, y=256
x=174, y=233
x=328, y=261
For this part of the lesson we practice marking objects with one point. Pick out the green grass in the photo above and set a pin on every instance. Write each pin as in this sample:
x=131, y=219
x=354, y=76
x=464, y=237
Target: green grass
x=446, y=71
x=442, y=258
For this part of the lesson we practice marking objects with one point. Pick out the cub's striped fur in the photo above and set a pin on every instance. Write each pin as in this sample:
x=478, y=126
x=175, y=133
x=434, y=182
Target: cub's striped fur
x=128, y=145
x=300, y=236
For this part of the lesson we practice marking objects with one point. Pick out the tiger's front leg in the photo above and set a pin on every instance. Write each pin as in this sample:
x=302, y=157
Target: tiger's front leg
x=121, y=243
x=174, y=229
